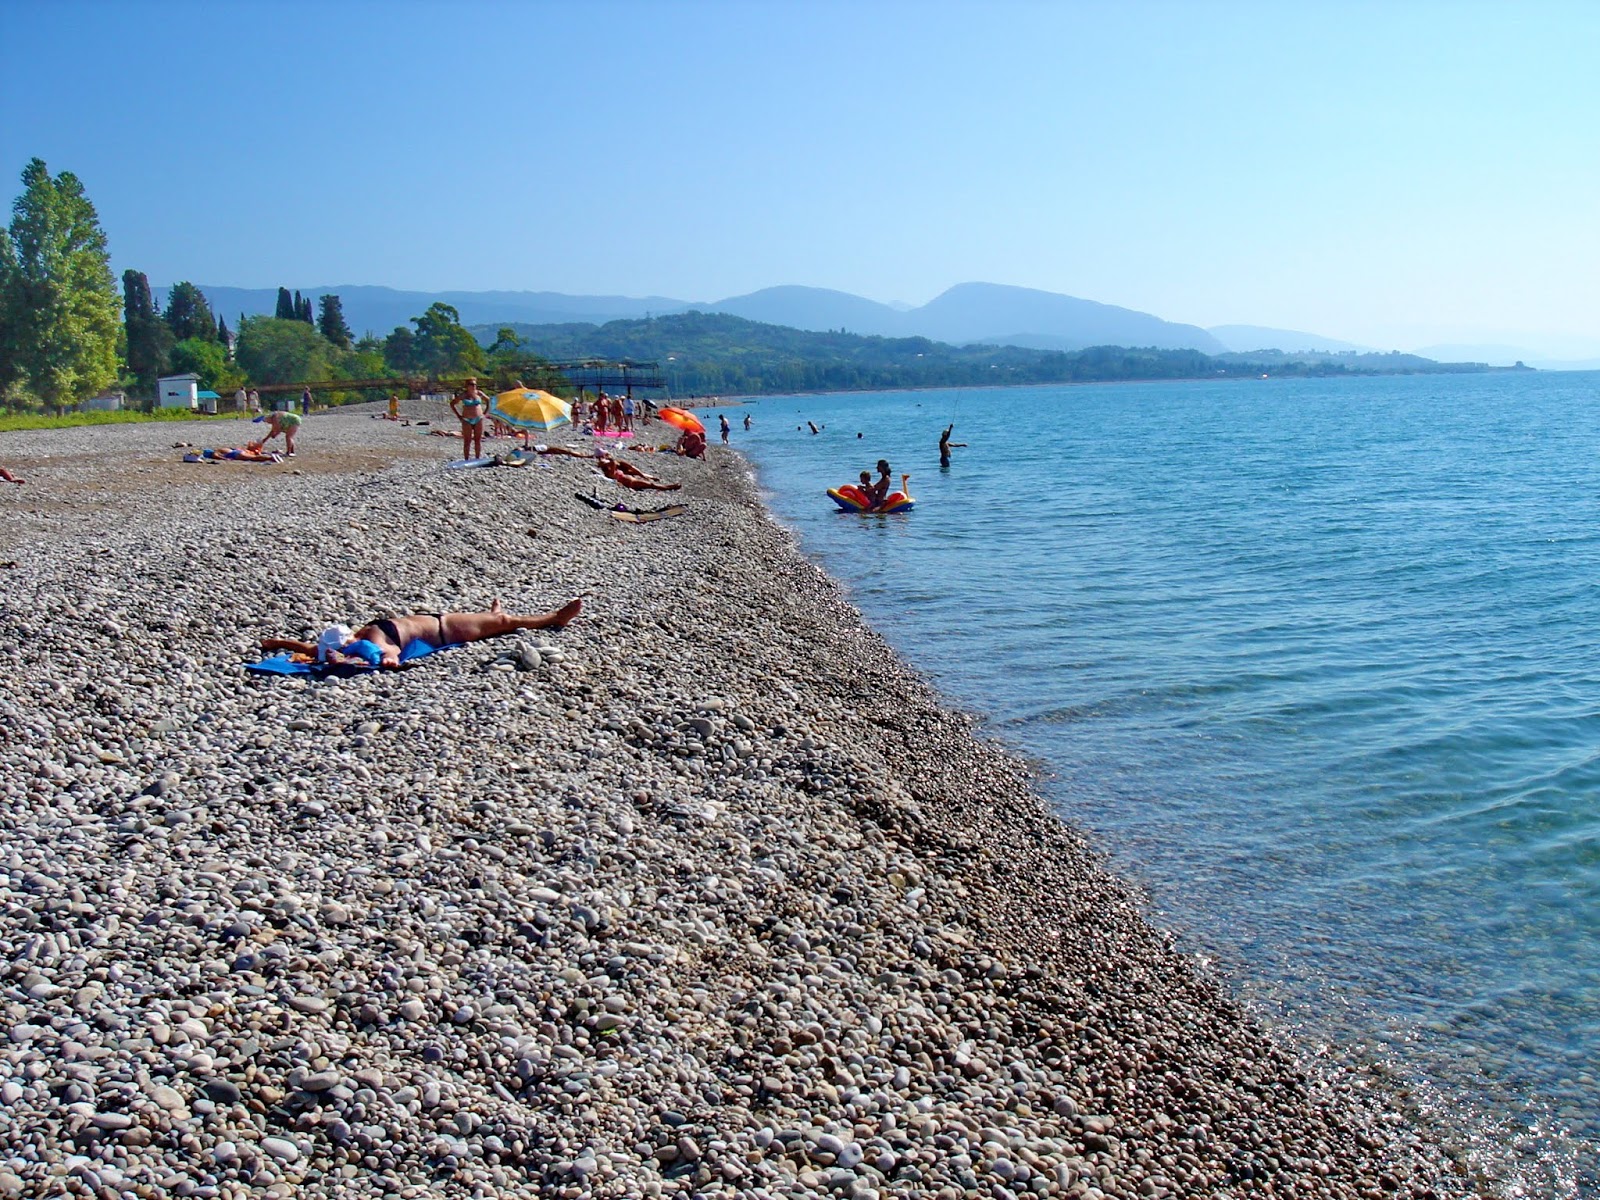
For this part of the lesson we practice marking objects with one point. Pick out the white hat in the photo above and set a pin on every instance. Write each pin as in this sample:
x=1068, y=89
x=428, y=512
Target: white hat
x=333, y=638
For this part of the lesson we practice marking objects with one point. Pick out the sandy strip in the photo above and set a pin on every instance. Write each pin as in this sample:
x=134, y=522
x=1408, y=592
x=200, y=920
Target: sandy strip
x=705, y=895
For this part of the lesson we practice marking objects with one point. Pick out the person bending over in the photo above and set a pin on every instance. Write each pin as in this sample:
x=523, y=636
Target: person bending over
x=286, y=422
x=381, y=643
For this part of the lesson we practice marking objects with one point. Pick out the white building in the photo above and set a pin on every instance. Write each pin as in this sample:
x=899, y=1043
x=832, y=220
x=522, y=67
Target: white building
x=178, y=391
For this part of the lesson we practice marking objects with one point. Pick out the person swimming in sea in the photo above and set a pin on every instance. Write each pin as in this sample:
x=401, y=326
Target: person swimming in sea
x=945, y=445
x=381, y=643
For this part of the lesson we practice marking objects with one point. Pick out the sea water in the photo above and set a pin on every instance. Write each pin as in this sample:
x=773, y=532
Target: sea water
x=1317, y=662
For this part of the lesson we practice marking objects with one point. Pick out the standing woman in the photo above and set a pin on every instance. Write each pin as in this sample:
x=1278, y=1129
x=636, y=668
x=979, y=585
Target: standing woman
x=470, y=411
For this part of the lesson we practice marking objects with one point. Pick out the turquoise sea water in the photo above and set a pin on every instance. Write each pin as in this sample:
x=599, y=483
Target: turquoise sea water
x=1317, y=661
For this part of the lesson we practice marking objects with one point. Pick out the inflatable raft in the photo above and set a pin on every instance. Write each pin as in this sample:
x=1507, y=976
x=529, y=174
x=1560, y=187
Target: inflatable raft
x=851, y=498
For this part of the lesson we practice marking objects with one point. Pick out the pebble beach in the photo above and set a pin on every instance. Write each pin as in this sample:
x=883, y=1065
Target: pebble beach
x=706, y=894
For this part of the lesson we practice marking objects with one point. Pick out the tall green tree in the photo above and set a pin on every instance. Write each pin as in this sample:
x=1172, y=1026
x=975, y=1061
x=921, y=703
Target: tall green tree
x=442, y=346
x=330, y=320
x=149, y=337
x=209, y=360
x=224, y=338
x=400, y=349
x=274, y=351
x=286, y=311
x=10, y=368
x=189, y=313
x=57, y=291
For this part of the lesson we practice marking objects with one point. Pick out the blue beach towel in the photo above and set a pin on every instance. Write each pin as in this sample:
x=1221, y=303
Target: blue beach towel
x=283, y=664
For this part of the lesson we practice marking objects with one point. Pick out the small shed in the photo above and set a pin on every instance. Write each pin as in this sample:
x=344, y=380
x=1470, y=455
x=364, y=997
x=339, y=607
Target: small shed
x=105, y=402
x=178, y=391
x=208, y=401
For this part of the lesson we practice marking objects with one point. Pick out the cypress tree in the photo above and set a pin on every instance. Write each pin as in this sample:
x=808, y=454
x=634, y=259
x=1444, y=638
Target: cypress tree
x=189, y=313
x=285, y=306
x=150, y=338
x=222, y=330
x=330, y=320
x=306, y=313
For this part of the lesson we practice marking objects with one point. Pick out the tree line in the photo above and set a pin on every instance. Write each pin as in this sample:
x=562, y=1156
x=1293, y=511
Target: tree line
x=66, y=334
x=720, y=354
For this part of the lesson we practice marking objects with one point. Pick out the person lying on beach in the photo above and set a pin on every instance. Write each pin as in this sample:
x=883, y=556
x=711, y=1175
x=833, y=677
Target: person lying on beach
x=625, y=474
x=469, y=409
x=9, y=477
x=381, y=643
x=286, y=423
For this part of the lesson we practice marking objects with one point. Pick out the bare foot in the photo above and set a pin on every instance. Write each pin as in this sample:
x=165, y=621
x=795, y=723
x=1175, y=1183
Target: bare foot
x=565, y=614
x=495, y=606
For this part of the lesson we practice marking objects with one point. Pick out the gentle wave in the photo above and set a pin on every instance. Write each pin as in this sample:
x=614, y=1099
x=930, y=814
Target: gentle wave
x=1317, y=660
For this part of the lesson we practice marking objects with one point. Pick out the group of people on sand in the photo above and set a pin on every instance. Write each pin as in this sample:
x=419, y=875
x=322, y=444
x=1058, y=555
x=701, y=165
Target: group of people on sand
x=605, y=414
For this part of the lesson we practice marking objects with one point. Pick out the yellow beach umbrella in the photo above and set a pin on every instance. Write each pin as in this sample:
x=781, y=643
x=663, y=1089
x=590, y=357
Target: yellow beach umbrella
x=530, y=408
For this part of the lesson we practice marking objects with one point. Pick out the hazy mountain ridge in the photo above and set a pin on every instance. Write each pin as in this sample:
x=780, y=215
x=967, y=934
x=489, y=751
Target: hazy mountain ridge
x=1242, y=339
x=965, y=314
x=378, y=310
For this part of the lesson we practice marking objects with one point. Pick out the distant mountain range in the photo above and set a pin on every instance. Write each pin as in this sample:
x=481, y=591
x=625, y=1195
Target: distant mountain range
x=968, y=313
x=1242, y=339
x=965, y=314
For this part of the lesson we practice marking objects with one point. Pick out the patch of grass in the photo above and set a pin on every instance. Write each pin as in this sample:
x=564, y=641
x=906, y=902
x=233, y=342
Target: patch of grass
x=11, y=421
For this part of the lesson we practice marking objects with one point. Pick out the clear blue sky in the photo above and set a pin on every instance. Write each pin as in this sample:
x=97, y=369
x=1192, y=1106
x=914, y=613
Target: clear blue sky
x=1394, y=174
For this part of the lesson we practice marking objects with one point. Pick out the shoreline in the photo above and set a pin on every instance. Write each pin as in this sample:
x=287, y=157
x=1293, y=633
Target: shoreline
x=681, y=906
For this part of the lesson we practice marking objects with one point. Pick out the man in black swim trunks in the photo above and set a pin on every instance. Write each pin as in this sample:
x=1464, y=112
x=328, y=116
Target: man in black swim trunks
x=945, y=443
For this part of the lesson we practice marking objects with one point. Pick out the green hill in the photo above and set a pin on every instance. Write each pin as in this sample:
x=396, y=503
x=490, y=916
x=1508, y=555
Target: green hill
x=718, y=354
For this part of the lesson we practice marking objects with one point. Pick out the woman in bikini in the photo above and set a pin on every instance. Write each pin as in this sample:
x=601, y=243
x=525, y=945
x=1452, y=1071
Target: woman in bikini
x=625, y=474
x=381, y=643
x=470, y=410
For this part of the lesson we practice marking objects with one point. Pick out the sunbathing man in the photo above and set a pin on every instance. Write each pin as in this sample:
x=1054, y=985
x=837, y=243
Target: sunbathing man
x=381, y=643
x=625, y=474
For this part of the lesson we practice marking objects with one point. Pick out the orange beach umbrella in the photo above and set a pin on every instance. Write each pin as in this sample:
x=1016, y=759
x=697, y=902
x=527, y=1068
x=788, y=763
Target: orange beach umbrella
x=683, y=419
